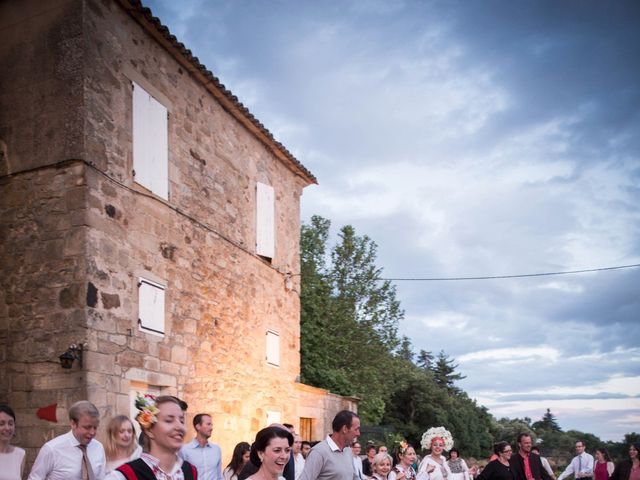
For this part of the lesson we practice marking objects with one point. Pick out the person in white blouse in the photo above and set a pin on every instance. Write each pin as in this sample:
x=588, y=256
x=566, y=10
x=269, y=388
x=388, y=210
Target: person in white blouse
x=457, y=465
x=121, y=445
x=545, y=462
x=581, y=466
x=11, y=457
x=434, y=466
x=76, y=455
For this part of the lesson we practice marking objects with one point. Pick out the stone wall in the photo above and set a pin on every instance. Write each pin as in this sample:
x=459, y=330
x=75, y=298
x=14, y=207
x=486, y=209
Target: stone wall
x=322, y=406
x=221, y=297
x=77, y=232
x=42, y=211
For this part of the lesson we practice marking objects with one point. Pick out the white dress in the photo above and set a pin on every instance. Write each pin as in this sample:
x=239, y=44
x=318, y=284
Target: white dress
x=459, y=470
x=440, y=472
x=11, y=463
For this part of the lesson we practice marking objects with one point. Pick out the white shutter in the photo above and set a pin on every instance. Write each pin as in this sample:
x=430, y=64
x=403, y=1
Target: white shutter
x=265, y=221
x=273, y=348
x=273, y=417
x=151, y=306
x=150, y=143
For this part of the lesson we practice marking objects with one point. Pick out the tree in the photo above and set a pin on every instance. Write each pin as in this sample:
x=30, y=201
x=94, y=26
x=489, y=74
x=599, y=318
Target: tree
x=548, y=423
x=349, y=317
x=425, y=360
x=405, y=352
x=445, y=372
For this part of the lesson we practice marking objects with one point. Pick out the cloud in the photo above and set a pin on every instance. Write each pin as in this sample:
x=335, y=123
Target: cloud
x=468, y=139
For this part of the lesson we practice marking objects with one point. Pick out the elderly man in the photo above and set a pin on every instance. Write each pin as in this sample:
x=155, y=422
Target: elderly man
x=332, y=459
x=74, y=455
x=581, y=466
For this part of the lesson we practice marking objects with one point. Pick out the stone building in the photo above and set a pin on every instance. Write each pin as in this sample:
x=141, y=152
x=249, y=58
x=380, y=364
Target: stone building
x=148, y=217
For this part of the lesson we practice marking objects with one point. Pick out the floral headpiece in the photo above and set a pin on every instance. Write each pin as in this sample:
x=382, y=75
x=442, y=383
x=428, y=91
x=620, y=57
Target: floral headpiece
x=402, y=447
x=148, y=411
x=437, y=432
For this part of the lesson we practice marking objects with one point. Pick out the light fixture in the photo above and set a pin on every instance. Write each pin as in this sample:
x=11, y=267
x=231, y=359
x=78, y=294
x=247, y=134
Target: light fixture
x=74, y=352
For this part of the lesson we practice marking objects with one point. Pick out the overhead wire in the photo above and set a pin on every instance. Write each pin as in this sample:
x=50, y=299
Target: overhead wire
x=497, y=277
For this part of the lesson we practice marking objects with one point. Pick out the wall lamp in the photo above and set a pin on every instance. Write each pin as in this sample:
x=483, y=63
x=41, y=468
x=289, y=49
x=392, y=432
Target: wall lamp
x=74, y=352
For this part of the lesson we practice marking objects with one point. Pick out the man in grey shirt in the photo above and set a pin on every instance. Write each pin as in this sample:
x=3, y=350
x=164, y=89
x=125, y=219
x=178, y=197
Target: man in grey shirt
x=332, y=459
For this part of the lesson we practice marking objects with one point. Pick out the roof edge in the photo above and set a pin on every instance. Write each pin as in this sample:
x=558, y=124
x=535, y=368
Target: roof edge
x=228, y=100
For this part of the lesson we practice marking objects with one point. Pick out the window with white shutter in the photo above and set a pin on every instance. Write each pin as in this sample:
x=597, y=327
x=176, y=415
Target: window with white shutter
x=265, y=220
x=273, y=348
x=151, y=306
x=150, y=143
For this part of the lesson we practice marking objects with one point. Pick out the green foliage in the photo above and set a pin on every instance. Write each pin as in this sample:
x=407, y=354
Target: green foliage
x=349, y=317
x=548, y=423
x=350, y=346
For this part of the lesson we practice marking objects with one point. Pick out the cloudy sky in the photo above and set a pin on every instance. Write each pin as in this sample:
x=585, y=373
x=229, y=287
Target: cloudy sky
x=468, y=139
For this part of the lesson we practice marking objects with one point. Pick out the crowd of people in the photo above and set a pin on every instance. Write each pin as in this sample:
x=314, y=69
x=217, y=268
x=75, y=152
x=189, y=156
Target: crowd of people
x=277, y=453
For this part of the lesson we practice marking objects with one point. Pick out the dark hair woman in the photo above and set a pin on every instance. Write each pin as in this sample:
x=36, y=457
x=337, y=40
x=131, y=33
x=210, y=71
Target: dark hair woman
x=239, y=459
x=603, y=466
x=271, y=452
x=499, y=468
x=457, y=465
x=11, y=457
x=628, y=469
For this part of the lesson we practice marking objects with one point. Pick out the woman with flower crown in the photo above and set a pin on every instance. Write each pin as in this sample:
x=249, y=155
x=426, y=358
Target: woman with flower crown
x=434, y=466
x=406, y=455
x=163, y=429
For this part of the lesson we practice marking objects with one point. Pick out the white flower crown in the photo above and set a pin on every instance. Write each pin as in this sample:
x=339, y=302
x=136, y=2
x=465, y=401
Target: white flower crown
x=437, y=432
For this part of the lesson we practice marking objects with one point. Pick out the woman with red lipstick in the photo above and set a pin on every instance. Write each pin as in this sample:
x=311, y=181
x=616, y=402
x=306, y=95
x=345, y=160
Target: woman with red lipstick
x=271, y=452
x=162, y=423
x=434, y=466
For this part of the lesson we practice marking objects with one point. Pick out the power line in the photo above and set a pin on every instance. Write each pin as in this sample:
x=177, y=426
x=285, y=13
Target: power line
x=494, y=277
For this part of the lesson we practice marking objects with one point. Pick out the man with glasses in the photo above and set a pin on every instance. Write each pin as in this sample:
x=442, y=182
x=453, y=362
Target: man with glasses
x=524, y=464
x=357, y=461
x=581, y=466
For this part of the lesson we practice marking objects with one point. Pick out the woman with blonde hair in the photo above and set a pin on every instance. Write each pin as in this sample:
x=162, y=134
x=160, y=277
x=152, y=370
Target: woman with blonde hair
x=121, y=445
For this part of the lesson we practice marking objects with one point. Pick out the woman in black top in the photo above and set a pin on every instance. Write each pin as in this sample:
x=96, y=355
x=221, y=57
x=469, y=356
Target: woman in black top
x=498, y=469
x=630, y=467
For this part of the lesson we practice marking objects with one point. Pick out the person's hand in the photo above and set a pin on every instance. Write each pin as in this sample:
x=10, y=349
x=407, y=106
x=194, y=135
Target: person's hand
x=430, y=468
x=400, y=475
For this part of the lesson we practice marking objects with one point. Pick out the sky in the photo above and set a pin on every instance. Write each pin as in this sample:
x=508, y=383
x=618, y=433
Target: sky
x=468, y=139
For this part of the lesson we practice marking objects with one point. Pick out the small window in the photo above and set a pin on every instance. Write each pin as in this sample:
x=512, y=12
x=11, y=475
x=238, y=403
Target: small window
x=150, y=144
x=151, y=306
x=273, y=348
x=265, y=220
x=273, y=417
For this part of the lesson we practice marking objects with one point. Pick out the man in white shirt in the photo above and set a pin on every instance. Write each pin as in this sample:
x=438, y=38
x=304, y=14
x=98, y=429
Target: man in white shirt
x=205, y=456
x=356, y=448
x=297, y=455
x=76, y=455
x=581, y=465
